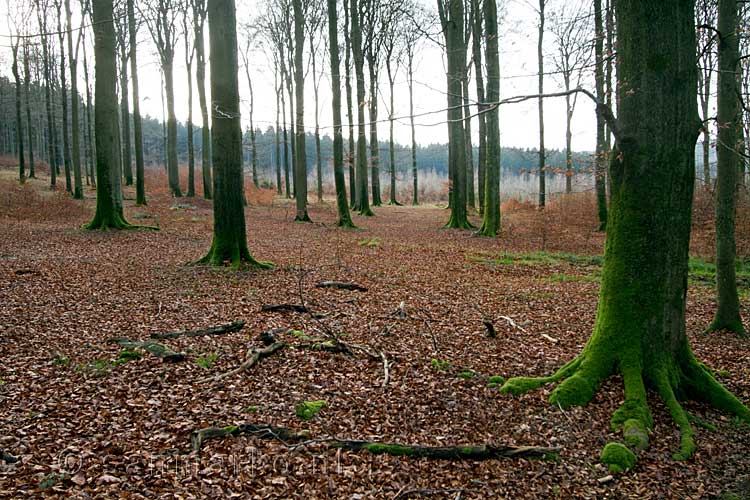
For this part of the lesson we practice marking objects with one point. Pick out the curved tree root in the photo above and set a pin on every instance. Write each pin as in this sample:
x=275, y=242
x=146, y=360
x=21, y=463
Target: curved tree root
x=584, y=374
x=236, y=255
x=455, y=223
x=367, y=213
x=114, y=221
x=734, y=325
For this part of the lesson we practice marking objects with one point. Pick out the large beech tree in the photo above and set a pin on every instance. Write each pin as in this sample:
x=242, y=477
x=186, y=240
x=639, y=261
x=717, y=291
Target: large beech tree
x=640, y=323
x=230, y=238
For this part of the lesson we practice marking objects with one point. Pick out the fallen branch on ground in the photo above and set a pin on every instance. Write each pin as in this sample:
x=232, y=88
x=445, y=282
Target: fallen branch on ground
x=235, y=326
x=155, y=348
x=284, y=308
x=253, y=356
x=285, y=436
x=340, y=285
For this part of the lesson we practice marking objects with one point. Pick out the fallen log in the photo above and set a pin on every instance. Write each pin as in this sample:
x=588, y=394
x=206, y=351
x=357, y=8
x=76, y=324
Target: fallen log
x=235, y=326
x=155, y=348
x=286, y=436
x=471, y=452
x=341, y=285
x=261, y=431
x=284, y=308
x=253, y=356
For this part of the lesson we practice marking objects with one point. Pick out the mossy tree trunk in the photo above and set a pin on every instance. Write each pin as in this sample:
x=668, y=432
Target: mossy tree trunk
x=727, y=163
x=640, y=322
x=140, y=189
x=363, y=199
x=108, y=204
x=452, y=21
x=230, y=239
x=342, y=203
x=601, y=152
x=491, y=221
x=300, y=161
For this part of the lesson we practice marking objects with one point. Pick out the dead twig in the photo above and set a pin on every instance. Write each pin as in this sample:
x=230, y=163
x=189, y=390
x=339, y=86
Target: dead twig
x=254, y=355
x=235, y=326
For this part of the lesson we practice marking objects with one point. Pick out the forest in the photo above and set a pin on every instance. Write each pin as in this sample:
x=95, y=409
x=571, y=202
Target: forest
x=375, y=249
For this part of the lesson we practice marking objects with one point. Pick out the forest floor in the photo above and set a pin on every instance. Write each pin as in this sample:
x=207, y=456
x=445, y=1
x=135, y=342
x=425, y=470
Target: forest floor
x=85, y=423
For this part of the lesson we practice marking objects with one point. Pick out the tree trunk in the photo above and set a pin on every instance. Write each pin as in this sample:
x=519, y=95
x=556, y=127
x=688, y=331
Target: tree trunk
x=140, y=191
x=601, y=153
x=90, y=152
x=640, y=325
x=230, y=239
x=491, y=221
x=453, y=27
x=277, y=134
x=470, y=200
x=190, y=145
x=108, y=210
x=540, y=57
x=19, y=122
x=318, y=155
x=300, y=164
x=74, y=109
x=172, y=168
x=349, y=108
x=127, y=158
x=286, y=143
x=391, y=141
x=414, y=172
x=64, y=99
x=568, y=139
x=48, y=102
x=199, y=16
x=342, y=204
x=481, y=118
x=362, y=200
x=728, y=119
x=372, y=65
x=29, y=128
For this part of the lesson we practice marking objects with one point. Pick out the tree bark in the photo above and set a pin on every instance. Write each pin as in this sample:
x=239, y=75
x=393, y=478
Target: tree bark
x=230, y=238
x=199, y=17
x=481, y=118
x=19, y=121
x=729, y=119
x=300, y=163
x=29, y=128
x=540, y=58
x=349, y=108
x=363, y=199
x=640, y=324
x=140, y=191
x=601, y=153
x=64, y=99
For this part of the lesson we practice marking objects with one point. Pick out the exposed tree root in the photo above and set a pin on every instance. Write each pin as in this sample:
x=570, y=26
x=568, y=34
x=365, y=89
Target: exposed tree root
x=155, y=348
x=340, y=285
x=584, y=374
x=302, y=218
x=346, y=223
x=284, y=308
x=237, y=255
x=366, y=213
x=253, y=356
x=214, y=330
x=284, y=435
x=114, y=221
x=735, y=326
x=456, y=223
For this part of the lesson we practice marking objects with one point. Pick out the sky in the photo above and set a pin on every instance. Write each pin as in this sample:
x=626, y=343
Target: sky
x=518, y=61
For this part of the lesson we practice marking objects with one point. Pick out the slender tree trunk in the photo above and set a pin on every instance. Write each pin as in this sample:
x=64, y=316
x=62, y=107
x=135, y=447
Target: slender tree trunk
x=362, y=200
x=601, y=153
x=230, y=237
x=349, y=107
x=300, y=164
x=19, y=122
x=127, y=158
x=414, y=172
x=639, y=331
x=491, y=219
x=286, y=143
x=190, y=145
x=64, y=99
x=470, y=200
x=253, y=149
x=374, y=143
x=479, y=80
x=728, y=119
x=140, y=191
x=172, y=168
x=74, y=109
x=342, y=205
x=200, y=73
x=90, y=152
x=568, y=139
x=540, y=57
x=48, y=104
x=318, y=155
x=277, y=134
x=29, y=128
x=391, y=141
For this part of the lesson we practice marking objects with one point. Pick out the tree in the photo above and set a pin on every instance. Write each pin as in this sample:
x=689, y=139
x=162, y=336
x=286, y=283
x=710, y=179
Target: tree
x=123, y=40
x=246, y=62
x=314, y=16
x=491, y=221
x=189, y=57
x=19, y=121
x=601, y=153
x=342, y=203
x=640, y=329
x=140, y=191
x=705, y=18
x=64, y=98
x=161, y=17
x=362, y=202
x=199, y=19
x=300, y=161
x=729, y=121
x=476, y=52
x=109, y=214
x=540, y=61
x=91, y=175
x=41, y=9
x=74, y=104
x=230, y=238
x=393, y=50
x=573, y=57
x=27, y=92
x=349, y=106
x=452, y=22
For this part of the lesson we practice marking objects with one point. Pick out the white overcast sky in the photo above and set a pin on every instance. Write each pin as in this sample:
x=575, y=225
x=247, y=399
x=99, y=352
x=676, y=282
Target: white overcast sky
x=518, y=61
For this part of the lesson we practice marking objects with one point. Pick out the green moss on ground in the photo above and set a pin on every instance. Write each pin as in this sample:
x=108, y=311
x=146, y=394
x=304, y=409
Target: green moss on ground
x=306, y=410
x=618, y=457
